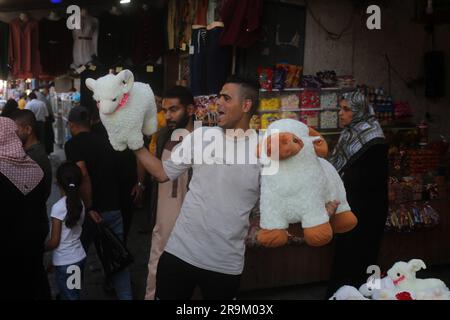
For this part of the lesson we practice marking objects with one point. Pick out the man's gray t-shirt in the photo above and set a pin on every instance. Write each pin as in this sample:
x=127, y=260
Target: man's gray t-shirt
x=214, y=218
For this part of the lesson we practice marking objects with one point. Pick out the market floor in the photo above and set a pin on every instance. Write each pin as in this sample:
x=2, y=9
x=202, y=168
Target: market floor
x=139, y=243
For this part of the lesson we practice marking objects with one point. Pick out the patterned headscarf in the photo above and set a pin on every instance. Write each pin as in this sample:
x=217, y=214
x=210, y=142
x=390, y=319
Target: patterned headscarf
x=15, y=165
x=363, y=132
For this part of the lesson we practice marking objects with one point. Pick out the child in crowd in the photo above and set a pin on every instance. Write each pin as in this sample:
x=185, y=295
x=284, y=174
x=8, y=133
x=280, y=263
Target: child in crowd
x=67, y=217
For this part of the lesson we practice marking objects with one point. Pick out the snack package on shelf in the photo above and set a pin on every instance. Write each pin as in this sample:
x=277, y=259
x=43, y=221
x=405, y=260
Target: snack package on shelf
x=279, y=78
x=403, y=112
x=309, y=99
x=289, y=115
x=290, y=101
x=329, y=100
x=422, y=161
x=269, y=104
x=265, y=76
x=327, y=78
x=329, y=120
x=309, y=81
x=293, y=74
x=346, y=82
x=268, y=118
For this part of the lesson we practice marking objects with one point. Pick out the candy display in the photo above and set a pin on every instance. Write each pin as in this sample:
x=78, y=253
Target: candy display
x=309, y=99
x=403, y=112
x=329, y=120
x=346, y=82
x=265, y=76
x=206, y=109
x=328, y=100
x=411, y=217
x=293, y=74
x=268, y=118
x=279, y=79
x=290, y=101
x=422, y=161
x=269, y=104
x=309, y=81
x=327, y=78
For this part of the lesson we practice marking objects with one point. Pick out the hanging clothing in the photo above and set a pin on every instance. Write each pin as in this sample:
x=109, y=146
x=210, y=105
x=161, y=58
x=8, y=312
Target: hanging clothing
x=363, y=132
x=201, y=9
x=115, y=38
x=218, y=59
x=4, y=37
x=242, y=19
x=149, y=35
x=24, y=57
x=85, y=41
x=55, y=45
x=197, y=62
x=15, y=165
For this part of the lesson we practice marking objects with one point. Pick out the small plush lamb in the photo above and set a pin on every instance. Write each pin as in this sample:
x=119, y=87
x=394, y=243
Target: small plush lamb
x=127, y=109
x=347, y=293
x=403, y=275
x=300, y=189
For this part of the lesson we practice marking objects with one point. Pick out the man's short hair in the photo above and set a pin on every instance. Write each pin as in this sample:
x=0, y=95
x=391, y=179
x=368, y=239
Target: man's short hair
x=248, y=90
x=182, y=93
x=32, y=95
x=80, y=116
x=25, y=118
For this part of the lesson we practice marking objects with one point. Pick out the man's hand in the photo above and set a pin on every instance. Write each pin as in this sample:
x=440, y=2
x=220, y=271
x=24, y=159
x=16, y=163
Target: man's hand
x=331, y=207
x=137, y=192
x=95, y=216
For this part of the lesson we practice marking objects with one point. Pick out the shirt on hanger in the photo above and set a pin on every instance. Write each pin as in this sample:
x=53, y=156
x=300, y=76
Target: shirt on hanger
x=85, y=41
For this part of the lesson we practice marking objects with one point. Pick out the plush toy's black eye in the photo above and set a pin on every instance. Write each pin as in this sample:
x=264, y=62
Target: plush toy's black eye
x=398, y=274
x=114, y=100
x=295, y=140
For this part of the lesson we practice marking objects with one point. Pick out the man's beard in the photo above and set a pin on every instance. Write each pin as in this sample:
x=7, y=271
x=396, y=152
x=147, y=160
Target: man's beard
x=173, y=125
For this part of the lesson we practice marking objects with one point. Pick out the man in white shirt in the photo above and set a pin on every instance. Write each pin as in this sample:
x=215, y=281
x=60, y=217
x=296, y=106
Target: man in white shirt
x=207, y=245
x=40, y=111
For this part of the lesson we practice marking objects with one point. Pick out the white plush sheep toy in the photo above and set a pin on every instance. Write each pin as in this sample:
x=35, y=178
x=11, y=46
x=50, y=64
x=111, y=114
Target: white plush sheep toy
x=347, y=293
x=127, y=109
x=383, y=289
x=403, y=275
x=300, y=189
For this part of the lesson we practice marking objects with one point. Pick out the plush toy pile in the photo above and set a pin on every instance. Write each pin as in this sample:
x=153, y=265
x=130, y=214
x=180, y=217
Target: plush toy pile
x=300, y=189
x=127, y=109
x=399, y=284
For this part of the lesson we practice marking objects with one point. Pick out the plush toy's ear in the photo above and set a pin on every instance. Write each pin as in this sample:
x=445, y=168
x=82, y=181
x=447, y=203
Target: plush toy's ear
x=90, y=83
x=126, y=78
x=416, y=264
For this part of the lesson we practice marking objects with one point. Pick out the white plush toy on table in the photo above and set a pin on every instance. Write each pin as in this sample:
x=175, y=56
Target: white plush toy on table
x=403, y=275
x=300, y=189
x=383, y=289
x=127, y=109
x=347, y=293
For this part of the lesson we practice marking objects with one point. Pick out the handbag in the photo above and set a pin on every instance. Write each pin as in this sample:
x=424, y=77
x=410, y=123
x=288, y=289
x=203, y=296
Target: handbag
x=112, y=252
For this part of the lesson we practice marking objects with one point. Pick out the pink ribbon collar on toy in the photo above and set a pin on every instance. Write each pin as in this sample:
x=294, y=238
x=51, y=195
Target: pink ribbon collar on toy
x=123, y=102
x=396, y=281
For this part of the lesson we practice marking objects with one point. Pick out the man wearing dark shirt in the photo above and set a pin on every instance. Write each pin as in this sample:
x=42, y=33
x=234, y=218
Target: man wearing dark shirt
x=100, y=187
x=26, y=130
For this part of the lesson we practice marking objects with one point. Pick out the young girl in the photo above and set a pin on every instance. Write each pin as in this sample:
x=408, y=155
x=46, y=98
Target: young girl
x=67, y=218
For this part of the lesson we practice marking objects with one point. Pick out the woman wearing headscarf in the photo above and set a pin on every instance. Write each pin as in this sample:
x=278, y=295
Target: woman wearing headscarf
x=361, y=159
x=24, y=219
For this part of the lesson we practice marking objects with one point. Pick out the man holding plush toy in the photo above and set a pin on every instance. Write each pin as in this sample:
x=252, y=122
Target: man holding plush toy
x=207, y=245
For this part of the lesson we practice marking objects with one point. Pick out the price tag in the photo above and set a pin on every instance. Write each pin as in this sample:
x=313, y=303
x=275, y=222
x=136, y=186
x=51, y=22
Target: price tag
x=191, y=49
x=118, y=69
x=80, y=69
x=183, y=46
x=149, y=69
x=92, y=67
